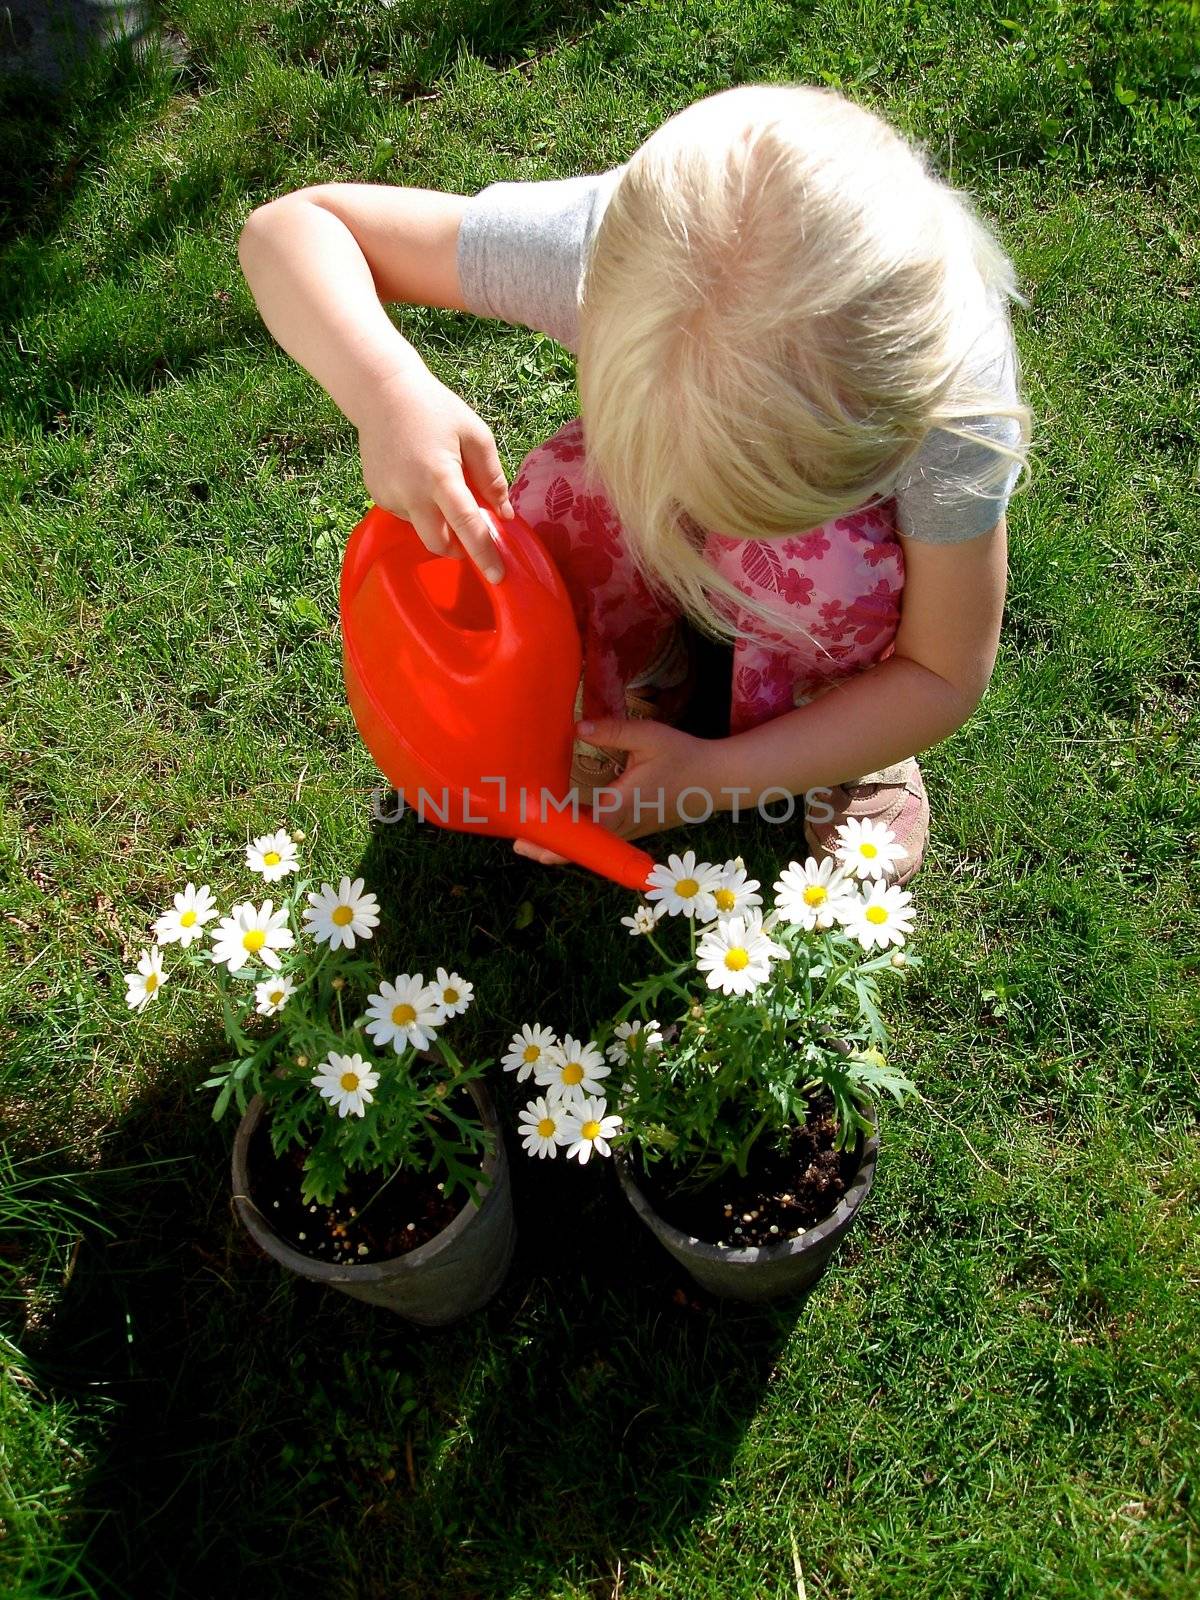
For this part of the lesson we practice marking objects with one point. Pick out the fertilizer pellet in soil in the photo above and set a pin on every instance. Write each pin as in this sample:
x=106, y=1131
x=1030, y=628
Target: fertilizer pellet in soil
x=788, y=1188
x=409, y=1212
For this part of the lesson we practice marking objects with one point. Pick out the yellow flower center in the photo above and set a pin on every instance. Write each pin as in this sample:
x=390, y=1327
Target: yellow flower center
x=686, y=888
x=867, y=850
x=450, y=996
x=188, y=919
x=815, y=895
x=573, y=1072
x=151, y=983
x=349, y=1080
x=271, y=858
x=254, y=939
x=590, y=1130
x=876, y=914
x=403, y=1015
x=726, y=899
x=532, y=1053
x=737, y=958
x=546, y=1127
x=275, y=996
x=342, y=915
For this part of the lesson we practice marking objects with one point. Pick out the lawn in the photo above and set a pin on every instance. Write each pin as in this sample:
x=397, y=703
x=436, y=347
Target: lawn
x=996, y=1390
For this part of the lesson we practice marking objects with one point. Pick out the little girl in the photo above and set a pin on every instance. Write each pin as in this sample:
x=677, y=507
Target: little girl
x=799, y=430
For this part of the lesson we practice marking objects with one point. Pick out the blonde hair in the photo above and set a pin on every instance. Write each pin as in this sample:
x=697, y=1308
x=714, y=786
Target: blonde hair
x=770, y=322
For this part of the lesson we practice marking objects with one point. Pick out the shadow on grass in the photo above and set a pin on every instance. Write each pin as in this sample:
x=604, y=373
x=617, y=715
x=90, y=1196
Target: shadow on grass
x=51, y=135
x=585, y=1418
x=499, y=32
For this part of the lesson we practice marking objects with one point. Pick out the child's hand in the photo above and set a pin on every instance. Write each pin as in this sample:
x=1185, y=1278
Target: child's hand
x=663, y=764
x=426, y=457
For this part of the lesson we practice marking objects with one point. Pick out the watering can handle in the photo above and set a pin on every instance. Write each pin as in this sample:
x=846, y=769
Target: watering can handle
x=526, y=568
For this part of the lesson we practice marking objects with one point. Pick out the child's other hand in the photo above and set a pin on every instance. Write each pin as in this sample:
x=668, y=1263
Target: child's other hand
x=428, y=458
x=663, y=764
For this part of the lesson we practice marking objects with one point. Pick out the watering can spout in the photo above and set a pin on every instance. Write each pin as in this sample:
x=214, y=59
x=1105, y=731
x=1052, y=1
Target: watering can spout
x=464, y=691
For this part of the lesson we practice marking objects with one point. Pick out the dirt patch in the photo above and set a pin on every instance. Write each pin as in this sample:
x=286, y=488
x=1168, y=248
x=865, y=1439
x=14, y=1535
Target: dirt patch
x=789, y=1186
x=376, y=1218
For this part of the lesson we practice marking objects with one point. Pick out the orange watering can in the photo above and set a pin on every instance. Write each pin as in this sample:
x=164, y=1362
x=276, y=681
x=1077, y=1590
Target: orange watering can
x=464, y=690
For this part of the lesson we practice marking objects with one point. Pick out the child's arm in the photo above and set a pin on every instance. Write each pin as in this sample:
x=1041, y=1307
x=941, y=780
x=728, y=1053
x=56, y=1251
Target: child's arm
x=944, y=653
x=320, y=263
x=945, y=649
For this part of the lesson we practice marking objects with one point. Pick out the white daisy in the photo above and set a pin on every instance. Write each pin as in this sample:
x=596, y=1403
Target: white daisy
x=272, y=995
x=338, y=918
x=454, y=993
x=685, y=887
x=346, y=1082
x=813, y=896
x=572, y=1069
x=646, y=1034
x=642, y=920
x=407, y=1012
x=528, y=1050
x=736, y=954
x=144, y=984
x=882, y=917
x=867, y=849
x=587, y=1129
x=274, y=855
x=184, y=923
x=543, y=1126
x=251, y=931
x=735, y=892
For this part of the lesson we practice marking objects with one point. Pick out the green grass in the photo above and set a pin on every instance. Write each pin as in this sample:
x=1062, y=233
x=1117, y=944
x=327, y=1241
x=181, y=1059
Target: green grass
x=995, y=1391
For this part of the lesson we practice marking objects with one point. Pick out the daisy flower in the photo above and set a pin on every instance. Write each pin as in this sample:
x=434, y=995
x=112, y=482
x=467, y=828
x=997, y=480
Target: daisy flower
x=346, y=1082
x=587, y=1129
x=144, y=984
x=250, y=931
x=407, y=1012
x=685, y=887
x=543, y=1127
x=572, y=1069
x=881, y=918
x=272, y=995
x=814, y=895
x=528, y=1050
x=867, y=849
x=184, y=923
x=338, y=918
x=736, y=954
x=735, y=892
x=454, y=993
x=274, y=855
x=642, y=920
x=631, y=1034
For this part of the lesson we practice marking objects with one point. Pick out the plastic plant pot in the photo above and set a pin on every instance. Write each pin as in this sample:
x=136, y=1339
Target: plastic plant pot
x=453, y=1274
x=763, y=1272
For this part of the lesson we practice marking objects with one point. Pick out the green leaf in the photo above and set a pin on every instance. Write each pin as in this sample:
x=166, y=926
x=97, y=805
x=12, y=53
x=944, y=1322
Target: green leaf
x=222, y=1101
x=302, y=609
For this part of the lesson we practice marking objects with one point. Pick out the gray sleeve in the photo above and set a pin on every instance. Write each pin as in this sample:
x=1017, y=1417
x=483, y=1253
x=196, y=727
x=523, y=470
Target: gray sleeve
x=522, y=249
x=956, y=488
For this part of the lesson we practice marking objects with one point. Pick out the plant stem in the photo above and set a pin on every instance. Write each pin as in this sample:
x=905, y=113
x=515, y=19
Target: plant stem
x=743, y=1155
x=362, y=1210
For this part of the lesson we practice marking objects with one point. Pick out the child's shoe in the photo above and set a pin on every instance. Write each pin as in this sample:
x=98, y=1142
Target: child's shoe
x=661, y=692
x=894, y=797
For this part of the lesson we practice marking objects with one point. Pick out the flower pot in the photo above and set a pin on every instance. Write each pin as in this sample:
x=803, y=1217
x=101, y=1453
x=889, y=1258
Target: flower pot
x=761, y=1272
x=454, y=1273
